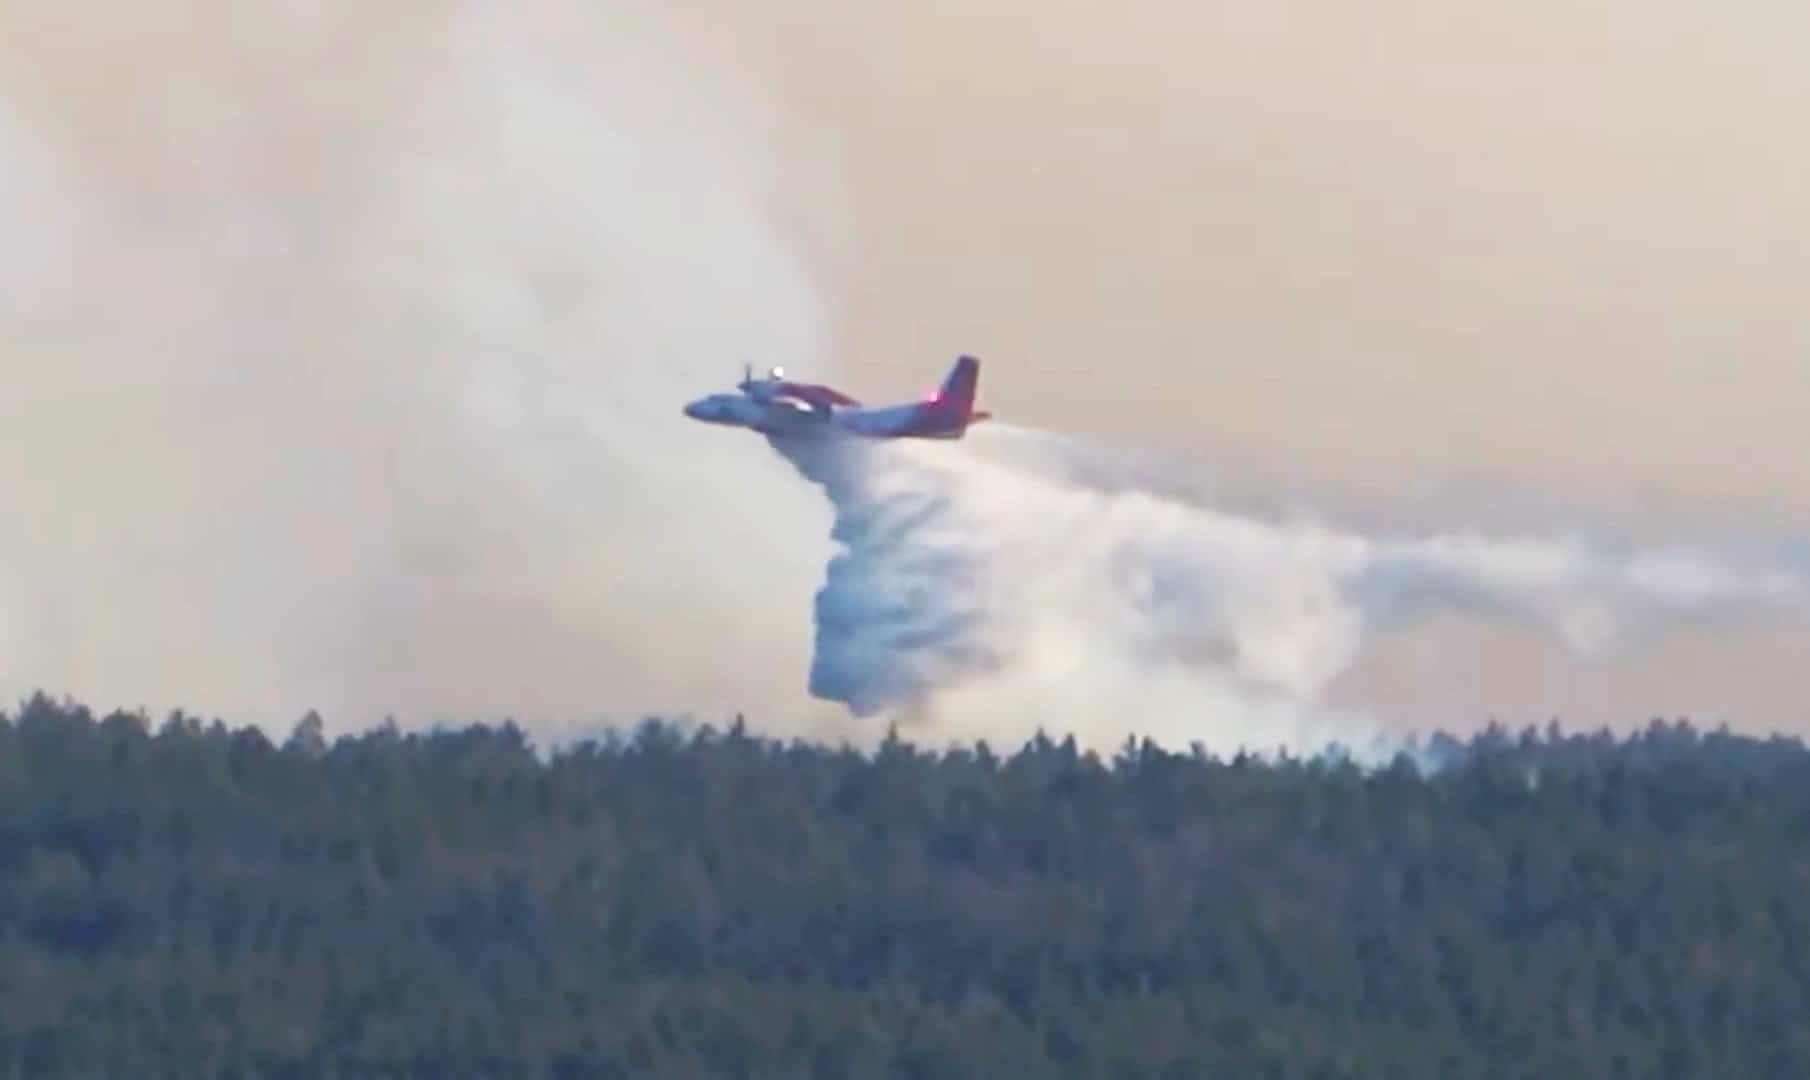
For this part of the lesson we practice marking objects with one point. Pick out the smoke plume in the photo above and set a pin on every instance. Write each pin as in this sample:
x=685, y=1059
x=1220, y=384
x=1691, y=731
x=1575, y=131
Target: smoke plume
x=986, y=586
x=342, y=357
x=342, y=350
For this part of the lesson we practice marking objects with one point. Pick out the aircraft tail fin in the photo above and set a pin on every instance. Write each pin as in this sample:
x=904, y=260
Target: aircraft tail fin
x=960, y=386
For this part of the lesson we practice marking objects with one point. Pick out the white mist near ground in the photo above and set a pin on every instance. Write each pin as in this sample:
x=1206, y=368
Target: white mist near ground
x=342, y=361
x=983, y=588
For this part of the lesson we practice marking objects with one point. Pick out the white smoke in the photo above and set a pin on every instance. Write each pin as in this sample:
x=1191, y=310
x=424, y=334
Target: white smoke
x=983, y=588
x=341, y=358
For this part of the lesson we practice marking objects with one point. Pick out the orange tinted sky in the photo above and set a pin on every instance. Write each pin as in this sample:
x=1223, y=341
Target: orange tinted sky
x=1563, y=243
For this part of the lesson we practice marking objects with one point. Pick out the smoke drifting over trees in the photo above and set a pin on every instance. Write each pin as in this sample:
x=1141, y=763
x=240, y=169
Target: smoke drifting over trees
x=364, y=388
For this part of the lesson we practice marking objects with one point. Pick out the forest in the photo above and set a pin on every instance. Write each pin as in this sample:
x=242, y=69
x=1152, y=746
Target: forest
x=180, y=898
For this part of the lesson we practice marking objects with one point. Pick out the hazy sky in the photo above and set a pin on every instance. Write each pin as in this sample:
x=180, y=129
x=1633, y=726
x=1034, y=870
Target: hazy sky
x=1548, y=247
x=341, y=350
x=1562, y=240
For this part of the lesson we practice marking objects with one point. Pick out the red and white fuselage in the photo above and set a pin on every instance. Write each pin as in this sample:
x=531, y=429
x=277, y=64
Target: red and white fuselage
x=779, y=406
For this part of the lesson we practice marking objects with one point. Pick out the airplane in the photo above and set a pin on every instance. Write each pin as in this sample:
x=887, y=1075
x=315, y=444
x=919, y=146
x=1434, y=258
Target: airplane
x=777, y=405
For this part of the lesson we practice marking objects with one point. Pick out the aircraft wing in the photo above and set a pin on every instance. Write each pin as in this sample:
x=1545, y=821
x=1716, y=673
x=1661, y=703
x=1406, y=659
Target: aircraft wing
x=817, y=396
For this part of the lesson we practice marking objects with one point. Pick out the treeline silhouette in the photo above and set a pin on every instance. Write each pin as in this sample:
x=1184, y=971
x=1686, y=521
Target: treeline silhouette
x=181, y=899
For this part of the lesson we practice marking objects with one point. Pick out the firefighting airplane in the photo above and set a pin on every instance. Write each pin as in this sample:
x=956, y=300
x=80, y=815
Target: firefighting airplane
x=776, y=405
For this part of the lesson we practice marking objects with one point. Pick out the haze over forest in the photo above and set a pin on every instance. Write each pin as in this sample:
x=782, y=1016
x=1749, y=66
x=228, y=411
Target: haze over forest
x=1358, y=371
x=346, y=348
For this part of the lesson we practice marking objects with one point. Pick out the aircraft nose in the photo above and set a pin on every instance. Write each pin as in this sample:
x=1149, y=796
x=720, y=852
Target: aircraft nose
x=694, y=410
